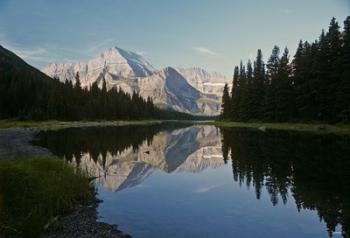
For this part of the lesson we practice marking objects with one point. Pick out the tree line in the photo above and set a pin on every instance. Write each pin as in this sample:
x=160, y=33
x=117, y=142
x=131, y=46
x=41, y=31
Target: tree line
x=314, y=86
x=28, y=95
x=25, y=96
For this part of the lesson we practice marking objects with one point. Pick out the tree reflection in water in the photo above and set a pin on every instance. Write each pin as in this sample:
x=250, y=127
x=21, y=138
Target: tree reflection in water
x=71, y=143
x=314, y=168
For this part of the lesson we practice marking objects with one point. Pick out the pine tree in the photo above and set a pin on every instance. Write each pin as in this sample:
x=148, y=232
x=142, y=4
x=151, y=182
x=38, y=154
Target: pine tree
x=343, y=88
x=249, y=92
x=225, y=107
x=305, y=87
x=298, y=79
x=235, y=95
x=321, y=80
x=258, y=86
x=285, y=102
x=269, y=103
x=273, y=64
x=103, y=100
x=77, y=81
x=25, y=96
x=242, y=108
x=314, y=87
x=334, y=59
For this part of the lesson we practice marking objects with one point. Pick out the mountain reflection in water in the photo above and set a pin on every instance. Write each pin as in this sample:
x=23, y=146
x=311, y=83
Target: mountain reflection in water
x=311, y=170
x=122, y=157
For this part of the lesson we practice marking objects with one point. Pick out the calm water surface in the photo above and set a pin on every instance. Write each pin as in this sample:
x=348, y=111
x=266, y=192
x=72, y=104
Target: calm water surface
x=202, y=181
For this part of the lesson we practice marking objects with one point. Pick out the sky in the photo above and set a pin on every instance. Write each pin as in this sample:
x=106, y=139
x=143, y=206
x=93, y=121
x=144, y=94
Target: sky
x=212, y=34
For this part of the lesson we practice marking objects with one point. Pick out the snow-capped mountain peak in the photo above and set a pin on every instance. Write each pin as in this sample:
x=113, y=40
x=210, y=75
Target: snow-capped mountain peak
x=187, y=90
x=116, y=62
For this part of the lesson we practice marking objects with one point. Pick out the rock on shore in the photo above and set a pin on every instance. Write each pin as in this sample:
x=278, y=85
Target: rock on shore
x=83, y=224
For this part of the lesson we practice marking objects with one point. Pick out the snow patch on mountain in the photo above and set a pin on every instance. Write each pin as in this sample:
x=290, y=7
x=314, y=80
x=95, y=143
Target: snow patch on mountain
x=115, y=62
x=192, y=90
x=205, y=82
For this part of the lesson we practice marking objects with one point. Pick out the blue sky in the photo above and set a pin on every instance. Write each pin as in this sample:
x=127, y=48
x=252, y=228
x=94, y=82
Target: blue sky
x=213, y=34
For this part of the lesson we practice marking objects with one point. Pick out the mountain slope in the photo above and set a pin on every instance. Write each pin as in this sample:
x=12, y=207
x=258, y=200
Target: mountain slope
x=11, y=63
x=28, y=93
x=130, y=72
x=138, y=64
x=208, y=83
x=168, y=87
x=116, y=62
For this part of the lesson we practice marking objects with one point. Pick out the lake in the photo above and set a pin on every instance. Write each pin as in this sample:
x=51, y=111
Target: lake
x=178, y=180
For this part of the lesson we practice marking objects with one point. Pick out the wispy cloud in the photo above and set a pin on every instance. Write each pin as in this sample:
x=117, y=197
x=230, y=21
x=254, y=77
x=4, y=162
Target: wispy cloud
x=38, y=54
x=204, y=50
x=204, y=189
x=35, y=54
x=97, y=47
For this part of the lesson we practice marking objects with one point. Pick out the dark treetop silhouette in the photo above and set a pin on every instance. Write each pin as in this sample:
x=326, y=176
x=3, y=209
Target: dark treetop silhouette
x=315, y=86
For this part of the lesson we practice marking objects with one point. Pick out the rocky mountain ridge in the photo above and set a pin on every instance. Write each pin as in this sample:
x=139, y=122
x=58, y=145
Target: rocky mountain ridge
x=190, y=90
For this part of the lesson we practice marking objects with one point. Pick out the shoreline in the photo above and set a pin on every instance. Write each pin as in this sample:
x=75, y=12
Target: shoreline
x=56, y=125
x=82, y=221
x=16, y=142
x=338, y=129
x=320, y=128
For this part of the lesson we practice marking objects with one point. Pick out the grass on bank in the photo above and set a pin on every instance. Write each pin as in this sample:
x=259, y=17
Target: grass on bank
x=16, y=123
x=306, y=127
x=12, y=123
x=303, y=127
x=34, y=190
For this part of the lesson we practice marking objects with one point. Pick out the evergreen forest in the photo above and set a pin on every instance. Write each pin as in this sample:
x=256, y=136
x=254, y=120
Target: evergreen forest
x=312, y=87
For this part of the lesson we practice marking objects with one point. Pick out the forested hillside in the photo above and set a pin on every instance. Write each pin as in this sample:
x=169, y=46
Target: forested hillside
x=26, y=93
x=313, y=86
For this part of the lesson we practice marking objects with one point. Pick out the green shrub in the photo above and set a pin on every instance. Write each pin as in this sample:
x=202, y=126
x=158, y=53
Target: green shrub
x=34, y=190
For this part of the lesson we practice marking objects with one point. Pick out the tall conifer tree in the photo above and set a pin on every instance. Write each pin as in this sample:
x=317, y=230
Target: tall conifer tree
x=225, y=107
x=343, y=88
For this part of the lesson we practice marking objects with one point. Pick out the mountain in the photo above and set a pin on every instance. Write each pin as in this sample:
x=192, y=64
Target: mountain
x=205, y=82
x=192, y=91
x=115, y=62
x=11, y=63
x=169, y=88
x=28, y=94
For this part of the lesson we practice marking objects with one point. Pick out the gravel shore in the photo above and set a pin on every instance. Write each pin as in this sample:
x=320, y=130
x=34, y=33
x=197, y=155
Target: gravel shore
x=15, y=142
x=82, y=223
